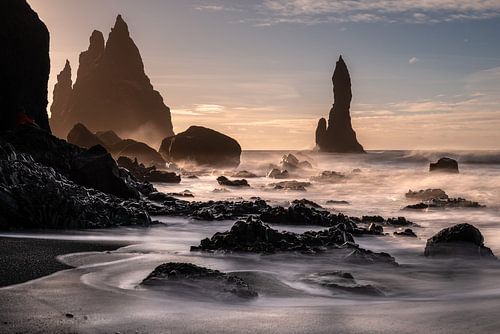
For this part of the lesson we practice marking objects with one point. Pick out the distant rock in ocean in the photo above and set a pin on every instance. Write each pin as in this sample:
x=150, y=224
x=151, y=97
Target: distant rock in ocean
x=24, y=66
x=338, y=135
x=111, y=92
x=447, y=165
x=201, y=146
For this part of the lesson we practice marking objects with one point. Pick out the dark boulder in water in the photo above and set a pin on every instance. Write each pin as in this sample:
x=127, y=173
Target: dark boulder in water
x=24, y=66
x=112, y=92
x=290, y=162
x=201, y=146
x=406, y=233
x=137, y=150
x=339, y=135
x=447, y=165
x=293, y=185
x=276, y=173
x=244, y=174
x=459, y=241
x=343, y=282
x=204, y=279
x=427, y=194
x=224, y=181
x=147, y=174
x=445, y=203
x=328, y=177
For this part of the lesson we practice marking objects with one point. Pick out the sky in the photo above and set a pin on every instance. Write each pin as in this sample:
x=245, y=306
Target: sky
x=425, y=74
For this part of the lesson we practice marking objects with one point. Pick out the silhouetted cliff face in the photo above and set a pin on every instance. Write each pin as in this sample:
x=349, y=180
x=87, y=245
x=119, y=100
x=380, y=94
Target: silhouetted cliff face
x=62, y=92
x=339, y=136
x=24, y=66
x=112, y=92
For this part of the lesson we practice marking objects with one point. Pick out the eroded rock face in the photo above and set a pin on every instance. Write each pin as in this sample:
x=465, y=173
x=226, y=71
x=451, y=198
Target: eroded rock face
x=203, y=279
x=112, y=92
x=201, y=146
x=458, y=241
x=447, y=165
x=339, y=135
x=24, y=66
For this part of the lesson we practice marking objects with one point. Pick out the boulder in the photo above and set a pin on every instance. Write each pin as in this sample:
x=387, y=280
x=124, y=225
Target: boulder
x=147, y=174
x=201, y=146
x=445, y=203
x=109, y=138
x=244, y=174
x=328, y=177
x=276, y=173
x=406, y=233
x=340, y=281
x=459, y=241
x=427, y=194
x=290, y=185
x=447, y=165
x=112, y=92
x=290, y=162
x=224, y=181
x=79, y=135
x=24, y=66
x=338, y=135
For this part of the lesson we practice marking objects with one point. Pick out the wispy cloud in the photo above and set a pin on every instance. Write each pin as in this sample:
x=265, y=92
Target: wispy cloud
x=410, y=11
x=413, y=60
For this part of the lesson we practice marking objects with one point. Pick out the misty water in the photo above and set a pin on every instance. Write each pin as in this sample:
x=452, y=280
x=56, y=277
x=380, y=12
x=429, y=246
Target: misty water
x=290, y=280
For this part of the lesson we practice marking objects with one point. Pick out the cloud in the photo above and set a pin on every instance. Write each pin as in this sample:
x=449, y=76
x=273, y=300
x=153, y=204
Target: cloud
x=413, y=60
x=409, y=11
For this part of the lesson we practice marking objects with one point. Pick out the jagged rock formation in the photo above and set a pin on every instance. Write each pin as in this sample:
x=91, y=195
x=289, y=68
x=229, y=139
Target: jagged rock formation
x=111, y=92
x=447, y=165
x=339, y=135
x=202, y=146
x=62, y=90
x=24, y=66
x=83, y=137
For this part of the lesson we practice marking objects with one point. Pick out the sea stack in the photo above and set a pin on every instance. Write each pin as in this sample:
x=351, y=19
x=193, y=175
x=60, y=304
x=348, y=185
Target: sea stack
x=338, y=135
x=111, y=92
x=24, y=66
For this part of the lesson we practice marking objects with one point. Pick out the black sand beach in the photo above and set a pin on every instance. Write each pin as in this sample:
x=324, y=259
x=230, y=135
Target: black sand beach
x=24, y=259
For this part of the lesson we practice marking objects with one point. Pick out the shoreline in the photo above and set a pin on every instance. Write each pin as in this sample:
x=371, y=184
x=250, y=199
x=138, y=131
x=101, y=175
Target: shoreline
x=26, y=259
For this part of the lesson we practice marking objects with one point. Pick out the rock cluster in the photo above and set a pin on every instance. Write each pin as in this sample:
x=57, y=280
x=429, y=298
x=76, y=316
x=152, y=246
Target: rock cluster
x=427, y=194
x=147, y=174
x=224, y=181
x=111, y=92
x=445, y=203
x=24, y=66
x=338, y=135
x=201, y=146
x=209, y=279
x=458, y=241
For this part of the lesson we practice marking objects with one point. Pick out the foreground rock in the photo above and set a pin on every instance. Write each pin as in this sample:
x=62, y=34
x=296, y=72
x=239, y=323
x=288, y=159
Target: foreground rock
x=147, y=174
x=112, y=92
x=459, y=241
x=224, y=181
x=94, y=168
x=34, y=196
x=343, y=282
x=445, y=164
x=338, y=135
x=24, y=66
x=199, y=278
x=427, y=194
x=201, y=146
x=445, y=203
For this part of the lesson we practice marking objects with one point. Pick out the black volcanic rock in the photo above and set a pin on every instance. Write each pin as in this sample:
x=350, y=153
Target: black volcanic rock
x=445, y=164
x=426, y=194
x=81, y=136
x=445, y=203
x=148, y=174
x=24, y=66
x=224, y=181
x=201, y=146
x=339, y=135
x=460, y=241
x=112, y=92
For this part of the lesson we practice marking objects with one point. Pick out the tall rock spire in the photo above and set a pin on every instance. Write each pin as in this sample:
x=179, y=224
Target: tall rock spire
x=339, y=136
x=61, y=95
x=113, y=92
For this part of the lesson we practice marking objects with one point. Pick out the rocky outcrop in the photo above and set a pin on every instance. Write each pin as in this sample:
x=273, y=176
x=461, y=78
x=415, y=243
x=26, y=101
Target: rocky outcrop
x=427, y=194
x=35, y=196
x=339, y=135
x=109, y=138
x=201, y=146
x=447, y=165
x=62, y=91
x=112, y=92
x=199, y=278
x=147, y=174
x=24, y=66
x=445, y=203
x=224, y=181
x=81, y=136
x=290, y=162
x=458, y=241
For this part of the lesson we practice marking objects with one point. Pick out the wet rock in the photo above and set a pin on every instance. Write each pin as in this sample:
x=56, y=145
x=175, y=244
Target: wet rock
x=406, y=233
x=427, y=194
x=276, y=173
x=290, y=162
x=134, y=149
x=338, y=202
x=185, y=193
x=375, y=229
x=358, y=255
x=112, y=92
x=445, y=164
x=24, y=66
x=244, y=174
x=445, y=203
x=307, y=202
x=147, y=174
x=201, y=146
x=224, y=181
x=459, y=241
x=399, y=221
x=290, y=185
x=199, y=277
x=328, y=177
x=255, y=236
x=338, y=135
x=343, y=282
x=372, y=219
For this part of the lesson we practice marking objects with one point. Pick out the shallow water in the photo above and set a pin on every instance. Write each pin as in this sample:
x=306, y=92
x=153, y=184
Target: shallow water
x=284, y=279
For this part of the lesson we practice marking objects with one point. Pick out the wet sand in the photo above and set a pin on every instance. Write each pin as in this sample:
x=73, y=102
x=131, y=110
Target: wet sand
x=24, y=259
